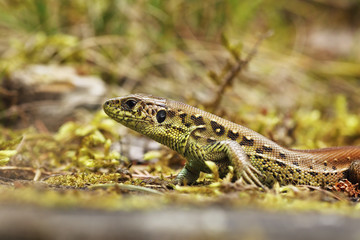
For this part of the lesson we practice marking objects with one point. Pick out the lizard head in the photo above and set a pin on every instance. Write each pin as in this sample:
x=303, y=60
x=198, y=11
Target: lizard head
x=157, y=118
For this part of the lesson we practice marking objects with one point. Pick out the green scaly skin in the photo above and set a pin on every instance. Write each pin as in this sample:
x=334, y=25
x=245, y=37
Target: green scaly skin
x=201, y=136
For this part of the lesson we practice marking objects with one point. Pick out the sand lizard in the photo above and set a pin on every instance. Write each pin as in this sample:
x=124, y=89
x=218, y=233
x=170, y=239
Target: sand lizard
x=201, y=136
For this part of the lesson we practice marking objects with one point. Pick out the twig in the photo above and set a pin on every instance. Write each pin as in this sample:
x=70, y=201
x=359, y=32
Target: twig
x=143, y=176
x=126, y=187
x=229, y=78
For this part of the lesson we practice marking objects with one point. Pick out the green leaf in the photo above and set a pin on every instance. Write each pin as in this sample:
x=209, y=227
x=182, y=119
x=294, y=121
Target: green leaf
x=5, y=156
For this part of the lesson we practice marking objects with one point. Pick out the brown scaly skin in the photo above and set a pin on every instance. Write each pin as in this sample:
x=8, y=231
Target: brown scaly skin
x=201, y=136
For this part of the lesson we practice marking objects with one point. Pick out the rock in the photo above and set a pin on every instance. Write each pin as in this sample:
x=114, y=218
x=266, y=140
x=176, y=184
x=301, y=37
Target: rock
x=49, y=94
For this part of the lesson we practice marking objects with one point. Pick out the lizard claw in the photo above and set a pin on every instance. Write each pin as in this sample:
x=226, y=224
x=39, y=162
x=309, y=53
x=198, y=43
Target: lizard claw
x=249, y=176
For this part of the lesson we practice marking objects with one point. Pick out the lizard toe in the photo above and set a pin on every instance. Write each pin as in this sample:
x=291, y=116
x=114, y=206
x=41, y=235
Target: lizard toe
x=251, y=173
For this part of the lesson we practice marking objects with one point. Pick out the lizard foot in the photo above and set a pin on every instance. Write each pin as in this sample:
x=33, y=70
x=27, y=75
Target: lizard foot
x=248, y=177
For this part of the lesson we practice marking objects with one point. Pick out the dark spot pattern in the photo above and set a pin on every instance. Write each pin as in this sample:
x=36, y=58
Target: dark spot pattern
x=298, y=170
x=171, y=114
x=334, y=167
x=247, y=142
x=325, y=164
x=314, y=174
x=197, y=120
x=267, y=148
x=218, y=129
x=211, y=140
x=232, y=135
x=281, y=164
x=282, y=155
x=183, y=116
x=260, y=151
x=296, y=163
x=179, y=129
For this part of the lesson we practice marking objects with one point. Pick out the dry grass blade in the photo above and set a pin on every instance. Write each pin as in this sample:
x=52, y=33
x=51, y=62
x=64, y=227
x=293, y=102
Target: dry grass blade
x=128, y=187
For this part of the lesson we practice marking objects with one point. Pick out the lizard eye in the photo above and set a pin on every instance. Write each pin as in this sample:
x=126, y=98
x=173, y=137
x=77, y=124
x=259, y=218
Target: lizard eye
x=130, y=103
x=161, y=116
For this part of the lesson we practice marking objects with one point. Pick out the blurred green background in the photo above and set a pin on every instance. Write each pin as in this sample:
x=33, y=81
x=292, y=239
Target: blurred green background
x=169, y=48
x=134, y=44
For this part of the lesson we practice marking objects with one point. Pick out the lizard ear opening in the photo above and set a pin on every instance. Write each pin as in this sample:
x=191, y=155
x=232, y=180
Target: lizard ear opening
x=161, y=116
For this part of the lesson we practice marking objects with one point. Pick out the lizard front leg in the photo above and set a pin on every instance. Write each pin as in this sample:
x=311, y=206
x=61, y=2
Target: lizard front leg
x=234, y=153
x=187, y=175
x=190, y=173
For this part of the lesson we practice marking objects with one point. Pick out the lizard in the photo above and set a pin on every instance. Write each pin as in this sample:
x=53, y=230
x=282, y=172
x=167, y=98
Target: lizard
x=201, y=136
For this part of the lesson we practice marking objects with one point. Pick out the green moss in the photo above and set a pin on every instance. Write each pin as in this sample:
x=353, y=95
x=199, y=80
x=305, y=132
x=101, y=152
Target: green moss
x=81, y=180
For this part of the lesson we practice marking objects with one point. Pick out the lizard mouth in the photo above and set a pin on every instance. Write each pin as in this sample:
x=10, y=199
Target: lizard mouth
x=112, y=108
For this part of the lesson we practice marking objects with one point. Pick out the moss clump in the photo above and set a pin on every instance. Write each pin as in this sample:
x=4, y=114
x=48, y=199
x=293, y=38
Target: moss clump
x=81, y=180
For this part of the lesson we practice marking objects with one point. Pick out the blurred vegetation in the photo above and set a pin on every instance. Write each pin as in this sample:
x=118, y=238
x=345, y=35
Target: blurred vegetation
x=301, y=89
